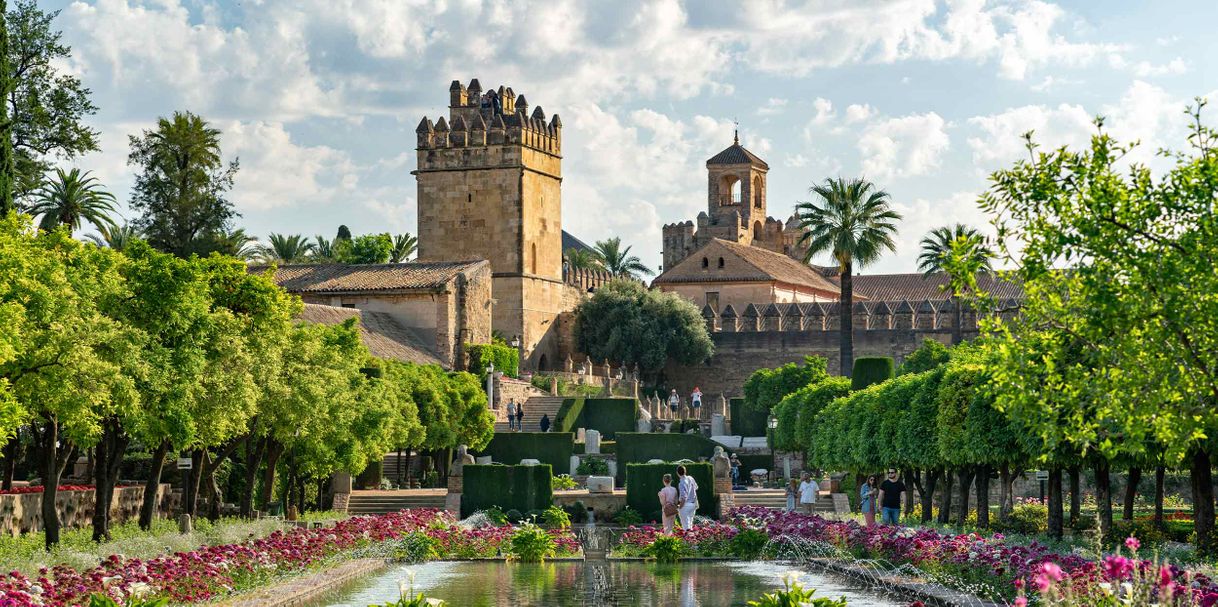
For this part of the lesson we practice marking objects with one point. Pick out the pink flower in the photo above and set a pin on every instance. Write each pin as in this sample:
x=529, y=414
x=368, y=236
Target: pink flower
x=1117, y=568
x=1021, y=601
x=1132, y=543
x=1048, y=574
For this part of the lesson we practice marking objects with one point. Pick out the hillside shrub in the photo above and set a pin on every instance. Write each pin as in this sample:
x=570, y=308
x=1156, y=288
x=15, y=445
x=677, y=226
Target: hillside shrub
x=869, y=370
x=644, y=481
x=504, y=357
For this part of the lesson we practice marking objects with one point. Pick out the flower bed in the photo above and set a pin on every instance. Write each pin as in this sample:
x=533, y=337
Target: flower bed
x=212, y=571
x=39, y=488
x=993, y=567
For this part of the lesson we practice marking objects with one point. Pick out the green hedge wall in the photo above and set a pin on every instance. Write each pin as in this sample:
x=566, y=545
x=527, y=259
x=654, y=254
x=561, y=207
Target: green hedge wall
x=641, y=447
x=870, y=370
x=520, y=488
x=506, y=359
x=553, y=448
x=605, y=415
x=746, y=422
x=644, y=481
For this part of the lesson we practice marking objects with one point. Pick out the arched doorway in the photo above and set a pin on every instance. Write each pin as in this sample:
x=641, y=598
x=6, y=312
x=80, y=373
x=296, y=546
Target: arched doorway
x=542, y=365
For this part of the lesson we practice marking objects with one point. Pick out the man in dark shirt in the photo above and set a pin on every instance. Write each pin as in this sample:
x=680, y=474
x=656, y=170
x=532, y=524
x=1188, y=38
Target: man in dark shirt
x=545, y=422
x=890, y=499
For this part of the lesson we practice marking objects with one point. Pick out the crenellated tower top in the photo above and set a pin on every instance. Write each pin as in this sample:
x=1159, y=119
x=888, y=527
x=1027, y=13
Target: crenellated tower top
x=496, y=117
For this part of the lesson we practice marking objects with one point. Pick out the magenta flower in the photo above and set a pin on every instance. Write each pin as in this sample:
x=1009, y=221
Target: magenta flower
x=1132, y=543
x=1048, y=575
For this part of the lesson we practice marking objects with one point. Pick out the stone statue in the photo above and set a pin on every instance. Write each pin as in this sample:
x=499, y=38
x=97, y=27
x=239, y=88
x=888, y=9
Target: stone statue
x=569, y=365
x=723, y=466
x=463, y=457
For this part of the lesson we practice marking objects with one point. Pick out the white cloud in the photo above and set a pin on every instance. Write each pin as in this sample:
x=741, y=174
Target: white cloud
x=924, y=214
x=858, y=113
x=1000, y=140
x=1143, y=69
x=795, y=161
x=773, y=105
x=277, y=172
x=903, y=147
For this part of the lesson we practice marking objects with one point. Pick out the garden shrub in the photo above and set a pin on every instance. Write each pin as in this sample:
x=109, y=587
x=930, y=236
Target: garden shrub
x=592, y=467
x=1026, y=518
x=666, y=549
x=748, y=544
x=930, y=355
x=605, y=415
x=811, y=400
x=504, y=357
x=746, y=421
x=765, y=388
x=628, y=516
x=577, y=511
x=555, y=518
x=870, y=370
x=641, y=447
x=563, y=482
x=531, y=544
x=416, y=547
x=520, y=488
x=553, y=448
x=644, y=481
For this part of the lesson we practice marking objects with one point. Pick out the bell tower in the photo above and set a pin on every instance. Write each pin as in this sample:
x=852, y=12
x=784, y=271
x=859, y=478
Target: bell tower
x=736, y=193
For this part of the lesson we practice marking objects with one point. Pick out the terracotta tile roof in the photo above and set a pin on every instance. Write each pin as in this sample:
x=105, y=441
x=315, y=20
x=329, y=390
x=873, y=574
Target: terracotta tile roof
x=761, y=265
x=342, y=278
x=383, y=335
x=736, y=154
x=915, y=287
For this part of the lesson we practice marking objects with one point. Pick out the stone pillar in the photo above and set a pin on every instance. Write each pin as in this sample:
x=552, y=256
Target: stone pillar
x=554, y=382
x=727, y=411
x=340, y=490
x=592, y=442
x=718, y=425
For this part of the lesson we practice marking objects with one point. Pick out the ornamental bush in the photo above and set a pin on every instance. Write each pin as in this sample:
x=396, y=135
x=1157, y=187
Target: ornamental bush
x=505, y=359
x=870, y=370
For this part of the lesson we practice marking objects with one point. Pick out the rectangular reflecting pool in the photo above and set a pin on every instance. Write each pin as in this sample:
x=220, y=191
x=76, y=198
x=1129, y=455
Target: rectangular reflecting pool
x=600, y=583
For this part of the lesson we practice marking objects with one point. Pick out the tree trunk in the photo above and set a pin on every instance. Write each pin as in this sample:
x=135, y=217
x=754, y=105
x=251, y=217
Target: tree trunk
x=108, y=459
x=148, y=508
x=1131, y=492
x=213, y=488
x=1055, y=503
x=12, y=451
x=1103, y=498
x=945, y=505
x=274, y=449
x=928, y=502
x=909, y=494
x=983, y=497
x=845, y=309
x=254, y=449
x=966, y=482
x=1202, y=478
x=1076, y=496
x=1160, y=472
x=957, y=320
x=321, y=491
x=1006, y=491
x=54, y=459
x=191, y=506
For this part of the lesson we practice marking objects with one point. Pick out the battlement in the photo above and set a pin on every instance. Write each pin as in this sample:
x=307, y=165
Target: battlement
x=497, y=118
x=926, y=315
x=585, y=280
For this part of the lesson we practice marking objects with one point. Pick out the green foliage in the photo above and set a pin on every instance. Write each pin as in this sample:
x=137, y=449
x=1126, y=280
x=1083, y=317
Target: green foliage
x=563, y=482
x=532, y=544
x=416, y=547
x=521, y=488
x=765, y=388
x=748, y=544
x=505, y=358
x=555, y=518
x=618, y=261
x=623, y=321
x=101, y=600
x=70, y=197
x=181, y=184
x=364, y=249
x=930, y=355
x=592, y=467
x=666, y=549
x=1026, y=519
x=871, y=370
x=605, y=415
x=641, y=447
x=808, y=402
x=747, y=421
x=628, y=516
x=552, y=448
x=795, y=595
x=644, y=481
x=404, y=245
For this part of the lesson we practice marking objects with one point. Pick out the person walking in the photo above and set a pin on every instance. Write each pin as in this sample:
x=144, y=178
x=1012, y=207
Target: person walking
x=808, y=490
x=668, y=504
x=687, y=498
x=890, y=499
x=519, y=417
x=674, y=403
x=792, y=494
x=695, y=403
x=511, y=413
x=867, y=495
x=545, y=422
x=735, y=462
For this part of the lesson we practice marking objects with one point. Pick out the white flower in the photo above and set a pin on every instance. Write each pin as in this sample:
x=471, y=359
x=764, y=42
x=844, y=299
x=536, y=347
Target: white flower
x=436, y=602
x=1107, y=587
x=790, y=577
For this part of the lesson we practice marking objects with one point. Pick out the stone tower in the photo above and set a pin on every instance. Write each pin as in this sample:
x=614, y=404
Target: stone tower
x=488, y=179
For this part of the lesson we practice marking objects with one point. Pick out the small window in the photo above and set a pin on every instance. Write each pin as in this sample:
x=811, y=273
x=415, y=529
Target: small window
x=705, y=262
x=720, y=262
x=469, y=198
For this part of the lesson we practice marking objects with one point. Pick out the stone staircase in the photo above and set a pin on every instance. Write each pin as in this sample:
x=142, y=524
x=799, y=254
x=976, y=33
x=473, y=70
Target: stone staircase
x=534, y=408
x=777, y=500
x=382, y=502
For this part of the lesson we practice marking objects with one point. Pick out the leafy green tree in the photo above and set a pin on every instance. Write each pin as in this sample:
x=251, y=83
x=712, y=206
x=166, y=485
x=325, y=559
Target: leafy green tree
x=181, y=186
x=618, y=261
x=797, y=411
x=962, y=253
x=47, y=104
x=1137, y=361
x=854, y=222
x=70, y=197
x=344, y=233
x=583, y=259
x=766, y=388
x=286, y=248
x=404, y=246
x=365, y=249
x=930, y=355
x=623, y=321
x=115, y=237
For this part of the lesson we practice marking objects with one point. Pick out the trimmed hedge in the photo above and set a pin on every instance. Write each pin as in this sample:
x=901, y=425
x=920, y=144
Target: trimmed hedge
x=605, y=415
x=553, y=448
x=870, y=370
x=810, y=402
x=641, y=447
x=747, y=421
x=521, y=488
x=505, y=358
x=644, y=481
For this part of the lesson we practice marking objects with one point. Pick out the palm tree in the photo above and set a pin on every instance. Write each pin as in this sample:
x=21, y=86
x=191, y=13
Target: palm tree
x=117, y=238
x=70, y=197
x=583, y=259
x=404, y=245
x=286, y=248
x=323, y=250
x=235, y=243
x=962, y=253
x=854, y=222
x=618, y=261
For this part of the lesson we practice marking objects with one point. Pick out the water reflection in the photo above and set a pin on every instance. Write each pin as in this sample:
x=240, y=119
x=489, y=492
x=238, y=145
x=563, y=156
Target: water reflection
x=600, y=583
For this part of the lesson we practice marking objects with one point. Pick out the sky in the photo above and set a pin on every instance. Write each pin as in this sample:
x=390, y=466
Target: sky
x=318, y=99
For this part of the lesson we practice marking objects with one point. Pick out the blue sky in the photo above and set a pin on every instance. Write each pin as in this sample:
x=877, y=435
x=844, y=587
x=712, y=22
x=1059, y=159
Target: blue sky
x=319, y=98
